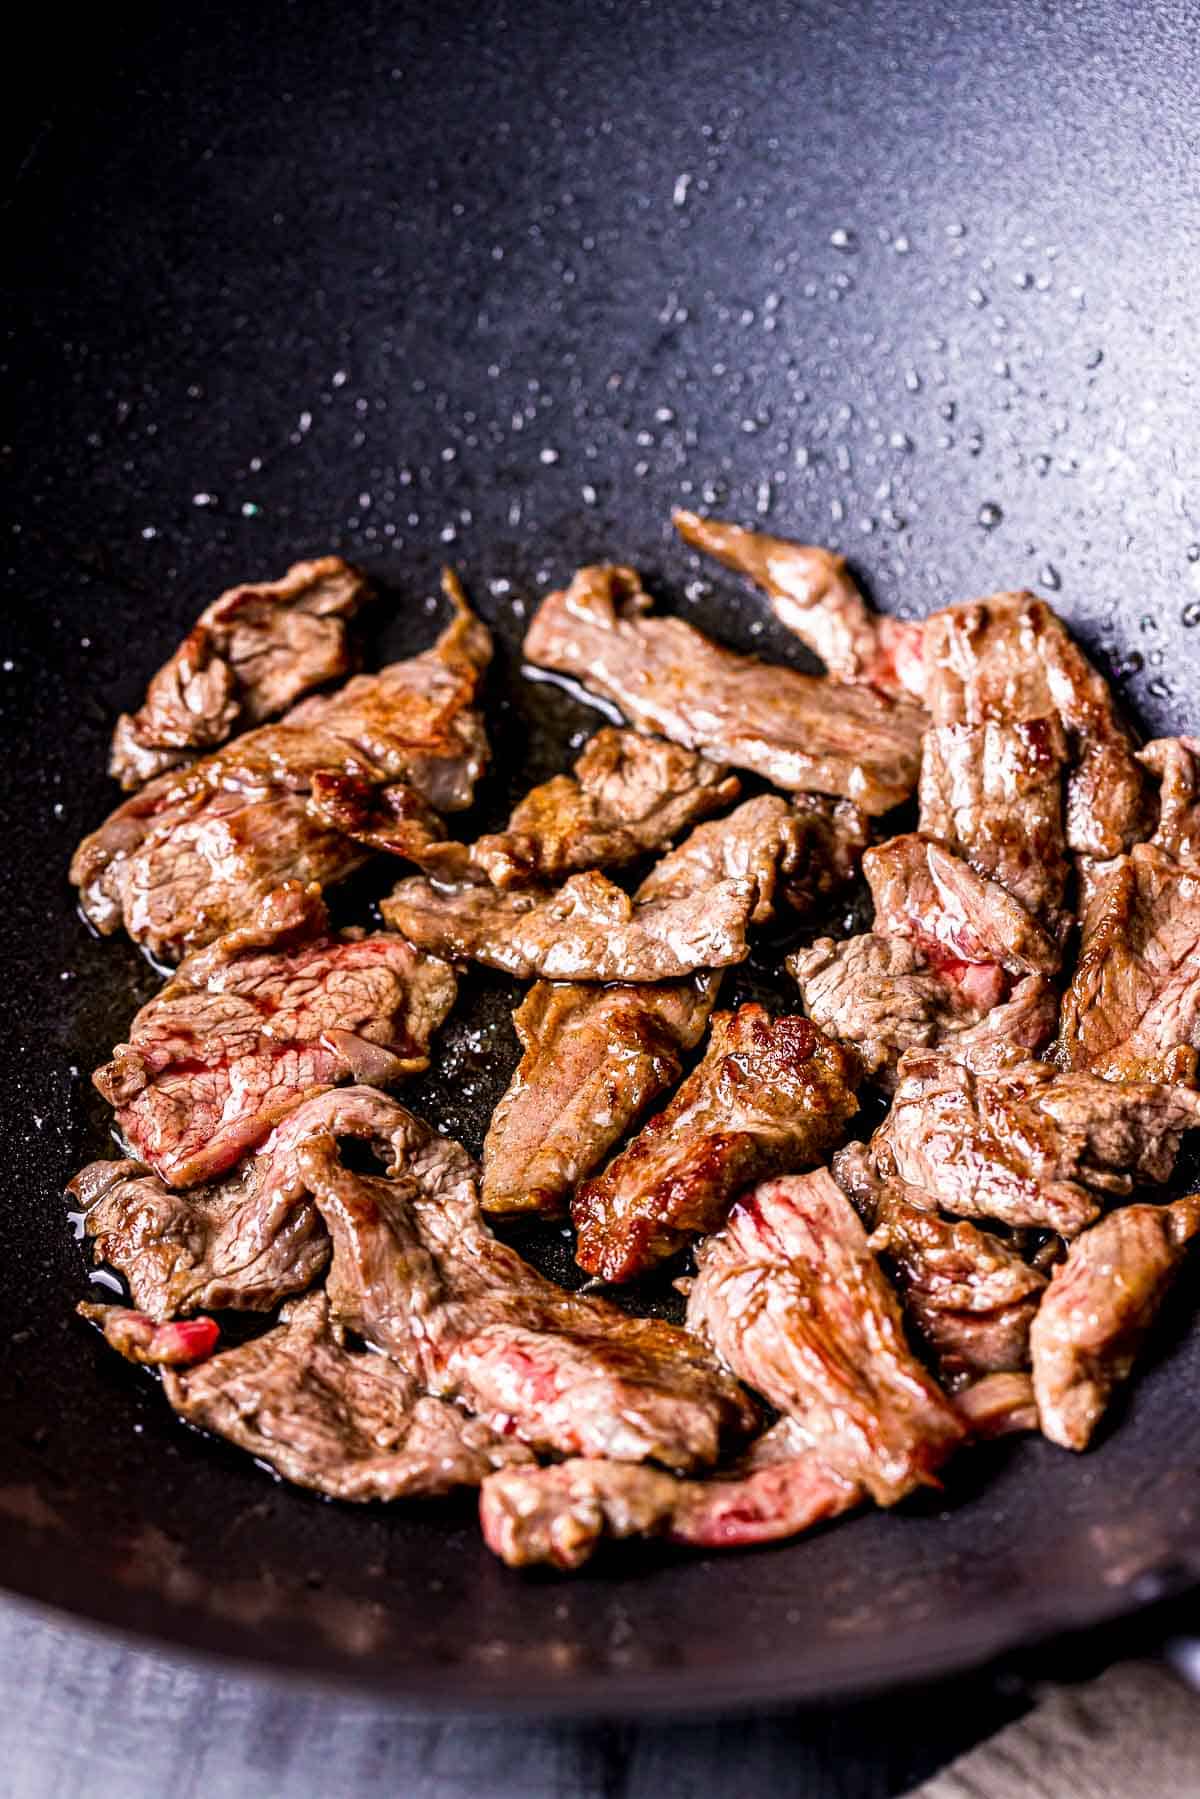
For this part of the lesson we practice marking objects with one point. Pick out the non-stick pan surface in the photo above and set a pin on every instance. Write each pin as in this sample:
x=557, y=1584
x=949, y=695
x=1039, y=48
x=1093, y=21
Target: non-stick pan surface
x=500, y=284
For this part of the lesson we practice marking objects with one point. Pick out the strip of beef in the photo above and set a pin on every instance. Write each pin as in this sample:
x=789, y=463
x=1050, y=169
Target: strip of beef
x=560, y=1515
x=1132, y=1010
x=142, y=1339
x=998, y=1405
x=250, y=655
x=1100, y=1303
x=195, y=852
x=692, y=910
x=349, y=1424
x=792, y=1299
x=267, y=1016
x=799, y=731
x=595, y=1059
x=1026, y=759
x=416, y=1272
x=770, y=1095
x=882, y=996
x=243, y=1242
x=1027, y=1146
x=958, y=919
x=813, y=593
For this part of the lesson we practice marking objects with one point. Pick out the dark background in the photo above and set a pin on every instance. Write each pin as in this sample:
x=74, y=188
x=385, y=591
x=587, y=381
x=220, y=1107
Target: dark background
x=501, y=284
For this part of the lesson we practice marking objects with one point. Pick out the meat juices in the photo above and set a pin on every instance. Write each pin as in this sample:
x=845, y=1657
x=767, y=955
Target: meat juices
x=1099, y=1305
x=792, y=1299
x=798, y=731
x=267, y=1016
x=251, y=654
x=197, y=850
x=770, y=1094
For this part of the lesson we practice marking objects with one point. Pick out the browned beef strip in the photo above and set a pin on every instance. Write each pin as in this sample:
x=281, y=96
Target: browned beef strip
x=250, y=655
x=1011, y=1033
x=692, y=910
x=1026, y=759
x=791, y=1297
x=416, y=1272
x=998, y=1405
x=770, y=1094
x=595, y=1059
x=814, y=594
x=245, y=1241
x=1098, y=1307
x=267, y=1016
x=970, y=1294
x=1027, y=1146
x=349, y=1424
x=195, y=852
x=142, y=1339
x=560, y=1515
x=799, y=731
x=1132, y=1010
x=955, y=916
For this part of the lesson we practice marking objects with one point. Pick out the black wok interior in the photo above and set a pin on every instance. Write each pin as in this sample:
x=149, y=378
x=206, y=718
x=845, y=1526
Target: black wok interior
x=499, y=284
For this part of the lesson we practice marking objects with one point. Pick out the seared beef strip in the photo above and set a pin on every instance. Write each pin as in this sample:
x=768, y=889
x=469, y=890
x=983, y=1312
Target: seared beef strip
x=957, y=918
x=691, y=911
x=250, y=655
x=1132, y=1011
x=799, y=731
x=416, y=1272
x=350, y=1424
x=1098, y=1307
x=1027, y=1146
x=561, y=1514
x=245, y=1241
x=265, y=1017
x=882, y=996
x=998, y=1405
x=770, y=1094
x=141, y=1339
x=791, y=1297
x=1026, y=759
x=813, y=593
x=194, y=852
x=595, y=1059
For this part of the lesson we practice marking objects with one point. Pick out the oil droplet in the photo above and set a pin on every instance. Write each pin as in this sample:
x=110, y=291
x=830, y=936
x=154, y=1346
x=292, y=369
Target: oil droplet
x=989, y=515
x=1049, y=577
x=1193, y=552
x=844, y=239
x=1191, y=613
x=1094, y=359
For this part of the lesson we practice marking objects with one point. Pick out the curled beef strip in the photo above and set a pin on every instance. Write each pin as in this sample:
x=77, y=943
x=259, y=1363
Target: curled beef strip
x=792, y=1299
x=692, y=910
x=561, y=1514
x=799, y=731
x=142, y=1339
x=595, y=1059
x=349, y=1424
x=1098, y=1307
x=882, y=996
x=628, y=795
x=267, y=1016
x=1132, y=1010
x=1027, y=1146
x=243, y=1242
x=250, y=655
x=770, y=1095
x=416, y=1272
x=1026, y=759
x=813, y=593
x=958, y=919
x=193, y=854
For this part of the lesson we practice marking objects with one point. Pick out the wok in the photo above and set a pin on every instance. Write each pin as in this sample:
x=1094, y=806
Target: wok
x=500, y=285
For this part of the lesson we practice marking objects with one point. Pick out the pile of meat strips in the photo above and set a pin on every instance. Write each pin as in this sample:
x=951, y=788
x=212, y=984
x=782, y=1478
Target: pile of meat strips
x=860, y=1306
